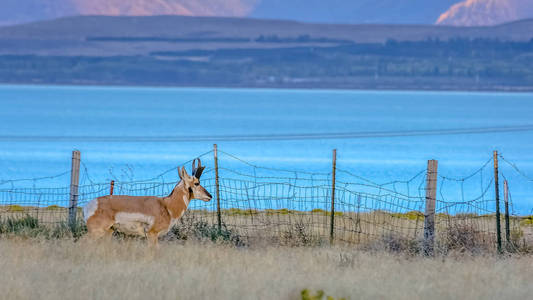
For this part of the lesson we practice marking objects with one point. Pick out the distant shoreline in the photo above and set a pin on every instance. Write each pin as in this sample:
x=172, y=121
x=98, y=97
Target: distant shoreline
x=525, y=90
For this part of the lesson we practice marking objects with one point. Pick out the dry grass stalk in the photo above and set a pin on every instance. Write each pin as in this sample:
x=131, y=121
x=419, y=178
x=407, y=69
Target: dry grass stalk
x=128, y=269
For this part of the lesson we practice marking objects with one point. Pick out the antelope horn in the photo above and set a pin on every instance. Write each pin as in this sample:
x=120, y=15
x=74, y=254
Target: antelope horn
x=197, y=170
x=194, y=168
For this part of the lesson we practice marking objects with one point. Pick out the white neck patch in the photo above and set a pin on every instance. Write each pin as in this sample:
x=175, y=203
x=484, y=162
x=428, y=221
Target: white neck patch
x=185, y=199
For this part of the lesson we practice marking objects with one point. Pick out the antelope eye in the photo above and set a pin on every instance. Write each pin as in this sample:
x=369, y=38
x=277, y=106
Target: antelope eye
x=196, y=183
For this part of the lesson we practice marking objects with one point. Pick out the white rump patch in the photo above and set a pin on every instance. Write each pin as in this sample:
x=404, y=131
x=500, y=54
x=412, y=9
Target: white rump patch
x=133, y=223
x=89, y=209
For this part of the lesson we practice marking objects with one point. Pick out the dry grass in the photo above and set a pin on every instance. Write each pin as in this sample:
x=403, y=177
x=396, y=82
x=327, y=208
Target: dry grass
x=63, y=269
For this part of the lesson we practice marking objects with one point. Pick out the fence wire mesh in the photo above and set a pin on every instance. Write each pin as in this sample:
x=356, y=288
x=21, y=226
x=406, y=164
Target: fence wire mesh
x=294, y=207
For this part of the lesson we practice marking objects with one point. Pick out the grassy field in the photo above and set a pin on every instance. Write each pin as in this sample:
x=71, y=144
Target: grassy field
x=64, y=269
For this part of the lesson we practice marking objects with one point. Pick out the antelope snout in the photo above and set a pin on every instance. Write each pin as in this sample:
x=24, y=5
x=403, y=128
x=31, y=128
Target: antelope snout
x=207, y=196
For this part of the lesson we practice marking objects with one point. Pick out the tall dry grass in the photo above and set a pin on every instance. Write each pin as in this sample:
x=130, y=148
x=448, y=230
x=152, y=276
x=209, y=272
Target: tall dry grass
x=129, y=269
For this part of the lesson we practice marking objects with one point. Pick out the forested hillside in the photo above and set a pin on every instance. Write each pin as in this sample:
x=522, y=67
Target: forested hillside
x=439, y=65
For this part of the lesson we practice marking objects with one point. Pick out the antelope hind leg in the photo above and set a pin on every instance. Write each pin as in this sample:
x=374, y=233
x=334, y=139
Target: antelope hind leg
x=99, y=227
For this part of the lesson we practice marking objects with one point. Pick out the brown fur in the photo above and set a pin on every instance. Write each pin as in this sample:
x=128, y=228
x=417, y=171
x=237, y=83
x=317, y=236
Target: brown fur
x=162, y=209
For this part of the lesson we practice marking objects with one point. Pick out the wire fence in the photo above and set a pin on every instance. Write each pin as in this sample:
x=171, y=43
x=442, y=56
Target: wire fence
x=286, y=206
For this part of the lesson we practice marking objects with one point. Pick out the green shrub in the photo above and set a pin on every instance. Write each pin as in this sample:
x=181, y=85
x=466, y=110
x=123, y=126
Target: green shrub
x=443, y=215
x=306, y=295
x=15, y=208
x=201, y=230
x=282, y=211
x=29, y=226
x=325, y=212
x=466, y=215
x=411, y=215
x=464, y=238
x=241, y=212
x=16, y=225
x=53, y=207
x=527, y=221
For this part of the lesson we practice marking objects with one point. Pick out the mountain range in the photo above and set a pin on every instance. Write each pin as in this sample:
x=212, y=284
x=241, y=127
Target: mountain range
x=445, y=12
x=16, y=11
x=486, y=12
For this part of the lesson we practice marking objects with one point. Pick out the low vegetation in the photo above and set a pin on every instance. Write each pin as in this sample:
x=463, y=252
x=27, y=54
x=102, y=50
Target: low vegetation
x=307, y=295
x=15, y=208
x=30, y=227
x=203, y=231
x=412, y=215
x=527, y=221
x=54, y=207
x=456, y=238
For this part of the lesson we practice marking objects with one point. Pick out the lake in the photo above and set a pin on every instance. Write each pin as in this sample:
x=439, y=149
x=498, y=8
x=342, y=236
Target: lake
x=35, y=118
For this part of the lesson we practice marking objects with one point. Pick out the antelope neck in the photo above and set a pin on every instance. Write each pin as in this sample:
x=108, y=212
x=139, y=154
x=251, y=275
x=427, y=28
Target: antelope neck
x=177, y=202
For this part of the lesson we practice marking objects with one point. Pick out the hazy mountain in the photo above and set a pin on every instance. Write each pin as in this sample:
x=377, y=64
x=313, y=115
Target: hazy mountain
x=17, y=11
x=451, y=12
x=354, y=11
x=486, y=12
x=331, y=11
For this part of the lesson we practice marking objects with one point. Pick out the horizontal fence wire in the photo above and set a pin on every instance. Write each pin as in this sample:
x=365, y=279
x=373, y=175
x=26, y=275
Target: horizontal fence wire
x=282, y=206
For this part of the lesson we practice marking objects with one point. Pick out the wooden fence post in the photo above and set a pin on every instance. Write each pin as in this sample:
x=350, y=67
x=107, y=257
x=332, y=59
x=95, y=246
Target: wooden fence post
x=74, y=183
x=497, y=193
x=112, y=187
x=219, y=215
x=332, y=219
x=507, y=225
x=429, y=216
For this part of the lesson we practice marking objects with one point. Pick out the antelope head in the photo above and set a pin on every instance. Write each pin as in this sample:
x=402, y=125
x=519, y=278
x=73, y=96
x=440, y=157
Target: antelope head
x=192, y=183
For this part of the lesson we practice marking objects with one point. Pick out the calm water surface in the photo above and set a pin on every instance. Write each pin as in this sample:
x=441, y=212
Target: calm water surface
x=109, y=111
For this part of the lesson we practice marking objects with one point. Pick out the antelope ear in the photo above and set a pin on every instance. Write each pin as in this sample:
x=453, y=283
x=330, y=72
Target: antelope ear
x=183, y=173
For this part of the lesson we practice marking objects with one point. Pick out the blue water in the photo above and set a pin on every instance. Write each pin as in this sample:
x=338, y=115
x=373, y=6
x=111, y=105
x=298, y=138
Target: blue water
x=112, y=111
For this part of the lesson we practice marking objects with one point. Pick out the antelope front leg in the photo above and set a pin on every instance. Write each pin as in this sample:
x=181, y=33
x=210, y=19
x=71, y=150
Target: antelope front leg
x=153, y=238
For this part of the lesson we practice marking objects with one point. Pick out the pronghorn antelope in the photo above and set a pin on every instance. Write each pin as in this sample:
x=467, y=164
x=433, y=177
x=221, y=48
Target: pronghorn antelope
x=145, y=215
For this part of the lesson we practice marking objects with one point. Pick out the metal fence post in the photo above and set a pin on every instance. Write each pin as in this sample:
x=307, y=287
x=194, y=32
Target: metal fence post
x=219, y=215
x=112, y=187
x=332, y=218
x=507, y=222
x=429, y=216
x=497, y=192
x=74, y=183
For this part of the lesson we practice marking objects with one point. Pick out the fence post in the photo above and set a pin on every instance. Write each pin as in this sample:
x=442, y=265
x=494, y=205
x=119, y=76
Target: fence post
x=74, y=182
x=112, y=187
x=429, y=216
x=332, y=220
x=497, y=191
x=506, y=200
x=219, y=215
